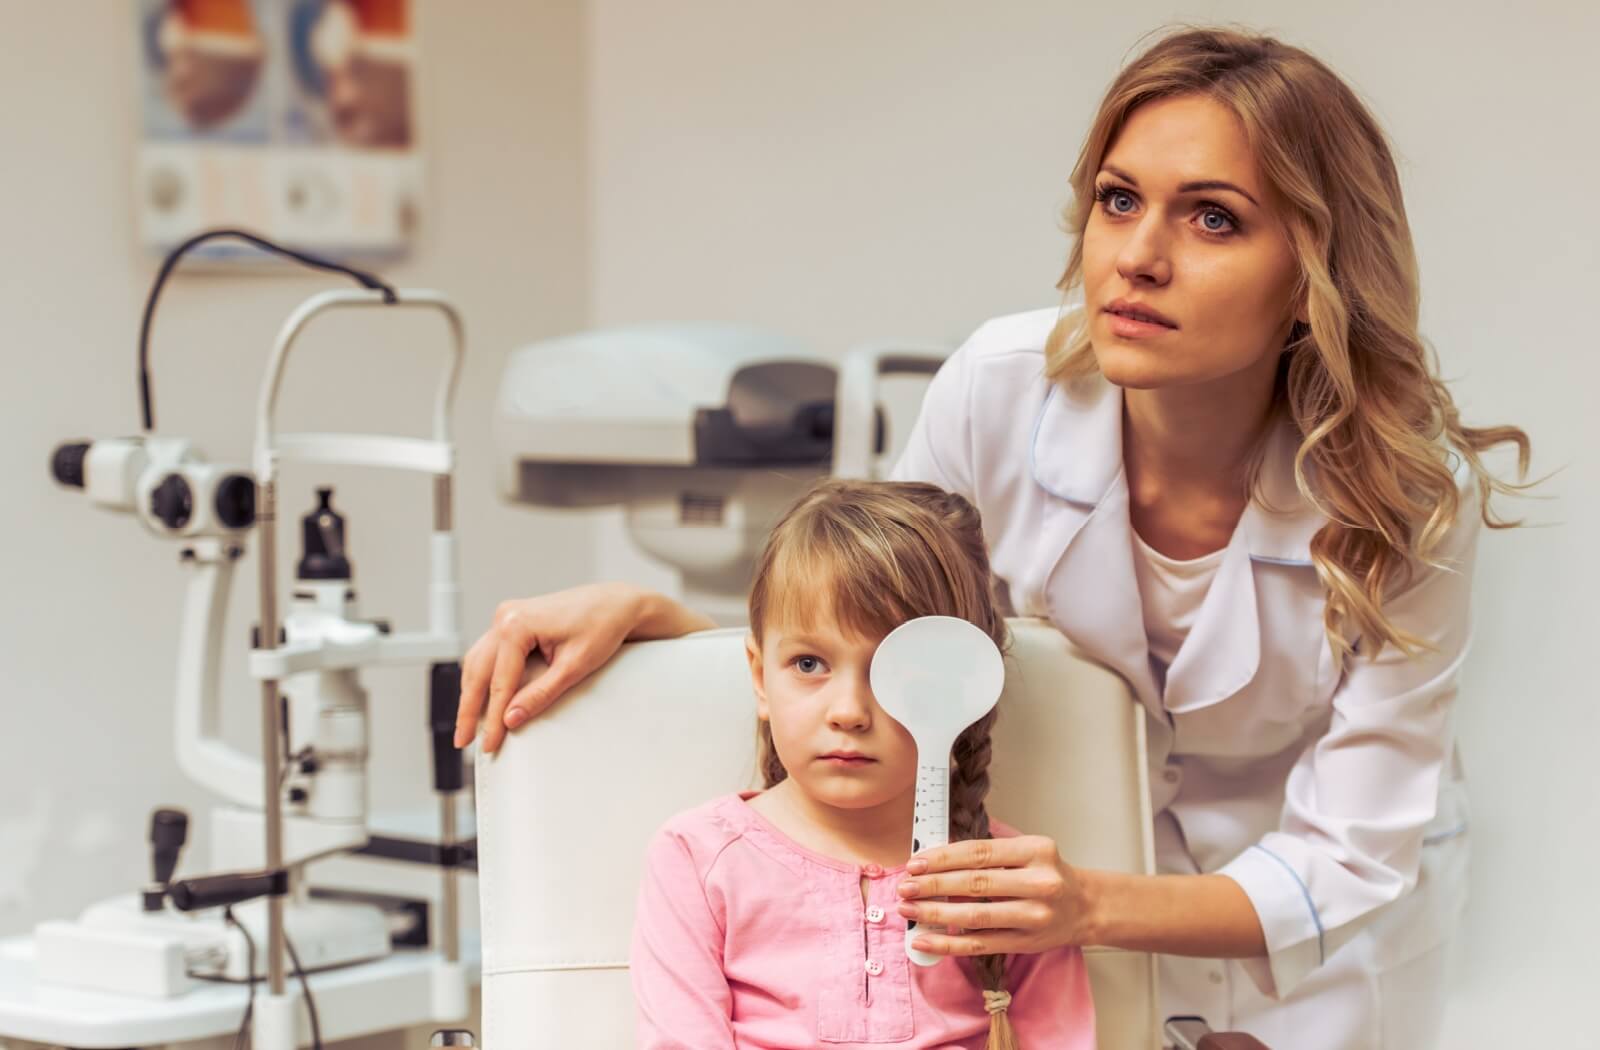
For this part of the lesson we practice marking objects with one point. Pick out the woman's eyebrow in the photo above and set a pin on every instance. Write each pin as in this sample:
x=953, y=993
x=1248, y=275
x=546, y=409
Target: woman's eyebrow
x=1187, y=187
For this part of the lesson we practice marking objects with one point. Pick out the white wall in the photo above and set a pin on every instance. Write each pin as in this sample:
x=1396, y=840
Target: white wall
x=88, y=633
x=846, y=171
x=838, y=171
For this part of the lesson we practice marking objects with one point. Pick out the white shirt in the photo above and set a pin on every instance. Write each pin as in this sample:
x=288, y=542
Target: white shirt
x=1327, y=789
x=1170, y=594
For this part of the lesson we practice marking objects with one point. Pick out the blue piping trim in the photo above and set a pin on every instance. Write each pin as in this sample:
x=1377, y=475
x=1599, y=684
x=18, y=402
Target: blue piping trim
x=1445, y=836
x=1322, y=951
x=1281, y=561
x=1033, y=459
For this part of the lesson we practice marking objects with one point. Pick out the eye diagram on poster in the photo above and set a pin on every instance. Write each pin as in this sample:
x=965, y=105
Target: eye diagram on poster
x=291, y=118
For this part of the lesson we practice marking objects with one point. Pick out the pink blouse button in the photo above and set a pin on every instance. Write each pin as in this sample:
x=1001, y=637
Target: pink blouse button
x=874, y=914
x=874, y=967
x=873, y=871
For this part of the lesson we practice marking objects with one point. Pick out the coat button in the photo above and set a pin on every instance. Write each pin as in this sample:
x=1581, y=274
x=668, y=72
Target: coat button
x=872, y=871
x=874, y=914
x=874, y=967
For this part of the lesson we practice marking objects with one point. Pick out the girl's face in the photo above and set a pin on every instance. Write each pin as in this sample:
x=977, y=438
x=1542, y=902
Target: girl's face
x=836, y=742
x=1183, y=235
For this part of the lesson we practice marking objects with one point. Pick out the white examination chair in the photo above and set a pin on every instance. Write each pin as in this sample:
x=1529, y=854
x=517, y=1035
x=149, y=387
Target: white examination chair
x=567, y=806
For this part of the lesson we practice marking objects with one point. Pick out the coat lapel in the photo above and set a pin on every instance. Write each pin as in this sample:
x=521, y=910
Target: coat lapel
x=1223, y=651
x=1093, y=595
x=1092, y=592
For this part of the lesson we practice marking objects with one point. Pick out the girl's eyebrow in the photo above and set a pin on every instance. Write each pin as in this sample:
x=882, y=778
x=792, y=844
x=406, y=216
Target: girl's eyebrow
x=1198, y=186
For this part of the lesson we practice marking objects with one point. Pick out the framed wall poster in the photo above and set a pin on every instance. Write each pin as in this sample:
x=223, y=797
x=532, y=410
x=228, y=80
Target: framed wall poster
x=291, y=118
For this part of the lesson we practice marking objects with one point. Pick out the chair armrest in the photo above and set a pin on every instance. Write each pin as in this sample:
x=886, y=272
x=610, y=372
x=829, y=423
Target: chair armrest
x=1192, y=1033
x=1231, y=1041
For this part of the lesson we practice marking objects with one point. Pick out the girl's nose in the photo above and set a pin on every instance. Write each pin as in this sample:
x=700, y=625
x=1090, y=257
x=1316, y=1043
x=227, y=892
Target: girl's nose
x=850, y=707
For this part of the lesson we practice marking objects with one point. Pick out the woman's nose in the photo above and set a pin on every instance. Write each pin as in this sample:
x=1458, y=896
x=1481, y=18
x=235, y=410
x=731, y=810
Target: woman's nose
x=1143, y=258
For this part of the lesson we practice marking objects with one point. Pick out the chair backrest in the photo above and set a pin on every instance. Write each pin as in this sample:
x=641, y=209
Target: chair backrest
x=566, y=807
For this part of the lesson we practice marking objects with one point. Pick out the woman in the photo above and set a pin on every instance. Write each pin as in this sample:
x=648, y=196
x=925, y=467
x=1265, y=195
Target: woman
x=1234, y=477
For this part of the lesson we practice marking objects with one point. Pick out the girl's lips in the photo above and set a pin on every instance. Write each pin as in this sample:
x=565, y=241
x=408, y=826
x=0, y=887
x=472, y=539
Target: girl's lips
x=846, y=760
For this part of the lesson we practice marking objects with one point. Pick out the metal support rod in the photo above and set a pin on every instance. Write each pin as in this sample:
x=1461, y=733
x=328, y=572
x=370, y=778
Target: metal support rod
x=266, y=516
x=441, y=503
x=450, y=912
x=450, y=917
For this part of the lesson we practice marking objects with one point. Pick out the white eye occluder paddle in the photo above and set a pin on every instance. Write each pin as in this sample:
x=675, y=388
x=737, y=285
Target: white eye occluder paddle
x=935, y=675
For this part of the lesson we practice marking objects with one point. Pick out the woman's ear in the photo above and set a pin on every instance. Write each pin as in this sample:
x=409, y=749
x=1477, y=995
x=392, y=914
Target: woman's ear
x=758, y=675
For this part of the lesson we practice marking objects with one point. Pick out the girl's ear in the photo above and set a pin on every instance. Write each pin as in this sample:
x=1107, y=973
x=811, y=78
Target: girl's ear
x=758, y=675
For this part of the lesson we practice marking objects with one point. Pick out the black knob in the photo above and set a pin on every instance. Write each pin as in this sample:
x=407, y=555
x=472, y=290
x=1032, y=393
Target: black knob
x=172, y=502
x=444, y=693
x=236, y=501
x=323, y=542
x=66, y=463
x=168, y=830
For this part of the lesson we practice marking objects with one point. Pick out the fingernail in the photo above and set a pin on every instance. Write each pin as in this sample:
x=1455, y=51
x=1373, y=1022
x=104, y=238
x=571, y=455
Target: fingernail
x=459, y=743
x=922, y=945
x=514, y=717
x=916, y=865
x=908, y=910
x=908, y=889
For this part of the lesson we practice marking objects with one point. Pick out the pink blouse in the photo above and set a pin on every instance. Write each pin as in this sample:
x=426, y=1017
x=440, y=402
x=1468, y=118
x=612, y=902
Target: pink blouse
x=746, y=940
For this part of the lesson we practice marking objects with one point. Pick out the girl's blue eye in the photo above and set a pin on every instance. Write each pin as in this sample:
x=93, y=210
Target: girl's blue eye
x=807, y=664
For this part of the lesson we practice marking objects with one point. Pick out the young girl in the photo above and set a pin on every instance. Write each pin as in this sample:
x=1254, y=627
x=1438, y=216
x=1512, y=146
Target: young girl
x=769, y=919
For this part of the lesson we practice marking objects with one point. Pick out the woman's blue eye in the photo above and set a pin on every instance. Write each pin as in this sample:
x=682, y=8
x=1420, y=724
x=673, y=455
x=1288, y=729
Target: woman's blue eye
x=1224, y=222
x=1118, y=202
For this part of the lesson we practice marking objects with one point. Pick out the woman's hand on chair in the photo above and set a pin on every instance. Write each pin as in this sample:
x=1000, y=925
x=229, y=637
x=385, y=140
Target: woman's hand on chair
x=1009, y=895
x=576, y=631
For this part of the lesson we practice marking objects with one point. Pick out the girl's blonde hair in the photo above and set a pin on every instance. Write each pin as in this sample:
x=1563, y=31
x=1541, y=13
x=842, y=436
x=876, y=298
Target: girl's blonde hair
x=868, y=556
x=1378, y=429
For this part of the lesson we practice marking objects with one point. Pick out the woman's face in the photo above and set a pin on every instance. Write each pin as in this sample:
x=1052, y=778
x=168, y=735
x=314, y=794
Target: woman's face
x=1188, y=274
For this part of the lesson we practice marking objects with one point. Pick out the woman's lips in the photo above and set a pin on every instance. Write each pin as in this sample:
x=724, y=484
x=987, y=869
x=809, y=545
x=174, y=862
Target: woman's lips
x=1132, y=320
x=1132, y=328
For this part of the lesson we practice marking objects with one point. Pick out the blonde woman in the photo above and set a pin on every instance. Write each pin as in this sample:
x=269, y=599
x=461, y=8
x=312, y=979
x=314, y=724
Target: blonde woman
x=1233, y=476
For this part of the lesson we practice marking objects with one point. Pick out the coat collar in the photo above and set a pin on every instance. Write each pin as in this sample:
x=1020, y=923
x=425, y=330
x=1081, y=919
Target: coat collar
x=1076, y=455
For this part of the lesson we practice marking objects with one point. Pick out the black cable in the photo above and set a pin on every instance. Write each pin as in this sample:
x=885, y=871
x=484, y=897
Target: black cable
x=250, y=969
x=168, y=264
x=305, y=986
x=243, y=1034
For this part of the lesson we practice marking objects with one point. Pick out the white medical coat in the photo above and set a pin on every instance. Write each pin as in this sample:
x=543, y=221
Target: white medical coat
x=1332, y=794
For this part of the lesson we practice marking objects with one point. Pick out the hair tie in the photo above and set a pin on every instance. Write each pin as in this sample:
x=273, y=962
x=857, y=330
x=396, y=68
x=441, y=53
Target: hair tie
x=996, y=1002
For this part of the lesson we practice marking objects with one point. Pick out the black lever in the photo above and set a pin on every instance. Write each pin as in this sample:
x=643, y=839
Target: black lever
x=169, y=828
x=213, y=891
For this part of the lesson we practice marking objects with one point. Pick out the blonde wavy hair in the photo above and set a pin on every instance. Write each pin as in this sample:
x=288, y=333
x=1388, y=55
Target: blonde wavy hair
x=868, y=556
x=1378, y=429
